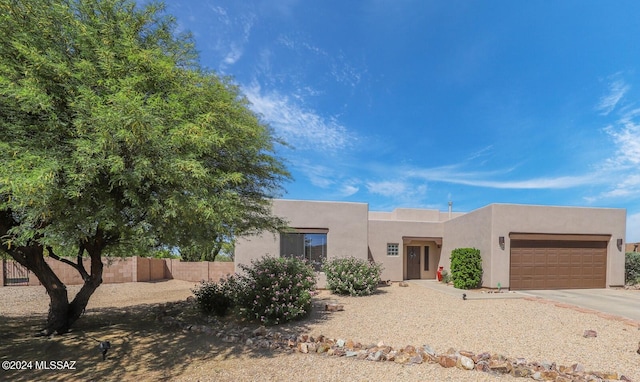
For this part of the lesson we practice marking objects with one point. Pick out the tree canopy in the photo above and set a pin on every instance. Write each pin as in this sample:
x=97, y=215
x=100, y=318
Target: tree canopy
x=114, y=138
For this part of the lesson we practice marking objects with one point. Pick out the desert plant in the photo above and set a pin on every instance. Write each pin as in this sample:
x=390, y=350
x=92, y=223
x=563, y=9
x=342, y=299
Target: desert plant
x=276, y=290
x=632, y=268
x=466, y=268
x=218, y=298
x=446, y=276
x=352, y=276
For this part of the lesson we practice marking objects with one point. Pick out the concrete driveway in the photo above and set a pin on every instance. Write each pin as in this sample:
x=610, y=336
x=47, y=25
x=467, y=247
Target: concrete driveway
x=618, y=302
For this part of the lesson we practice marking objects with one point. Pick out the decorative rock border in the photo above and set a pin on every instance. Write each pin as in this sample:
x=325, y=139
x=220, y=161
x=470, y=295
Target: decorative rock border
x=261, y=338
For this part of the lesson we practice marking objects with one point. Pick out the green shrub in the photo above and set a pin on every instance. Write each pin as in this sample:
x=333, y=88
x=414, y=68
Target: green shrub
x=632, y=268
x=276, y=290
x=351, y=276
x=466, y=268
x=218, y=298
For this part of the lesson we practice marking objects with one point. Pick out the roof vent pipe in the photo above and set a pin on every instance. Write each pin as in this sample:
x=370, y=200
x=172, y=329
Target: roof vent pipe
x=450, y=208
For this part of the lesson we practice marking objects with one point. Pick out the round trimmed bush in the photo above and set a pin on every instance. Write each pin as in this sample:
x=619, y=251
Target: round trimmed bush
x=352, y=276
x=276, y=290
x=217, y=298
x=466, y=268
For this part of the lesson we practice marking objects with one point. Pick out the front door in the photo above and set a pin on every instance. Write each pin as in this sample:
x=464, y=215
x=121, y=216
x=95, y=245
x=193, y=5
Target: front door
x=413, y=262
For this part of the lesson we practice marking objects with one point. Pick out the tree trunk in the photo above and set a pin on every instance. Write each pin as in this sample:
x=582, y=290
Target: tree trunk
x=62, y=314
x=32, y=257
x=79, y=303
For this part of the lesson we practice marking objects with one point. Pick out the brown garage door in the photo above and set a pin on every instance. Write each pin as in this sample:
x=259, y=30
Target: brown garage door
x=557, y=264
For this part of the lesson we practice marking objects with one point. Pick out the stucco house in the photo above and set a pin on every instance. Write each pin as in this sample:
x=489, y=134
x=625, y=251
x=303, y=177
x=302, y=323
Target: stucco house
x=522, y=246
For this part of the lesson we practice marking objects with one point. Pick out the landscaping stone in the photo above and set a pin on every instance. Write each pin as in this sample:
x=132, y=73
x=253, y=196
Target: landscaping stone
x=409, y=349
x=391, y=356
x=447, y=360
x=415, y=359
x=497, y=366
x=402, y=358
x=261, y=331
x=261, y=338
x=465, y=363
x=519, y=371
x=590, y=334
x=483, y=365
x=481, y=357
x=466, y=353
x=322, y=348
x=429, y=350
x=377, y=356
x=333, y=307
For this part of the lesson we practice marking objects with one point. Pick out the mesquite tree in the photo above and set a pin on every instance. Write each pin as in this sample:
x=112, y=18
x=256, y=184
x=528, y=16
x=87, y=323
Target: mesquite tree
x=113, y=138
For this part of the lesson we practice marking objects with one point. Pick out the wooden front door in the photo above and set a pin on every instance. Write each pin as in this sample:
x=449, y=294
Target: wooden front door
x=413, y=262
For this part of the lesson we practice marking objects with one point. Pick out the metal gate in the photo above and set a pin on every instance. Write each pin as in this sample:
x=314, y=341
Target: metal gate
x=15, y=273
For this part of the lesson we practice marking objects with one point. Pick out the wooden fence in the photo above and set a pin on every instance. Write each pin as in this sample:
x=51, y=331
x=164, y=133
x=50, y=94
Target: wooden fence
x=122, y=270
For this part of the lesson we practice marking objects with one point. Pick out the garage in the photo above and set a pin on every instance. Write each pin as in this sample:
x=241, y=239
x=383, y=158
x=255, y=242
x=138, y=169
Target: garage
x=540, y=261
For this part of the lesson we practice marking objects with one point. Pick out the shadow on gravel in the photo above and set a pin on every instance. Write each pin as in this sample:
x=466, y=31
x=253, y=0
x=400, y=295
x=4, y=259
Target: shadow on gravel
x=142, y=348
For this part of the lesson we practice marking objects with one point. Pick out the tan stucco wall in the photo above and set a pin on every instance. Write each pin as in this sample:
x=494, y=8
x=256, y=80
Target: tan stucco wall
x=560, y=220
x=346, y=222
x=382, y=232
x=482, y=228
x=413, y=214
x=472, y=230
x=354, y=231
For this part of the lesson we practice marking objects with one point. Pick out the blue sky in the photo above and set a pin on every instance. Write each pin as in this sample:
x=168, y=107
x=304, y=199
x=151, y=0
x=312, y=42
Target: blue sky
x=402, y=103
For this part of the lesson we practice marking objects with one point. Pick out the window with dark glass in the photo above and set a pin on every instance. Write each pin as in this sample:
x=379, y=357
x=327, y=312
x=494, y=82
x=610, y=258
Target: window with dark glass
x=305, y=246
x=426, y=257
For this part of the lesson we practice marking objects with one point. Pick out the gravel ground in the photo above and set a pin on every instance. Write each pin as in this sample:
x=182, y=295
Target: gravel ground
x=397, y=316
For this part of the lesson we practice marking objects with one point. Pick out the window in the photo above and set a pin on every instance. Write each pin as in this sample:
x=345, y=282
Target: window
x=308, y=246
x=426, y=257
x=392, y=249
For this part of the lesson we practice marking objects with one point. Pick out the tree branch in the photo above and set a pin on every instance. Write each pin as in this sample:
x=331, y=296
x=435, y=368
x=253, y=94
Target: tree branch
x=79, y=267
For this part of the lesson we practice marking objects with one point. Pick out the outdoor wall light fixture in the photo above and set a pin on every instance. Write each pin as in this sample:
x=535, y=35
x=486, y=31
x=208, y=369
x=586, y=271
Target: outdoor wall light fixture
x=619, y=244
x=501, y=242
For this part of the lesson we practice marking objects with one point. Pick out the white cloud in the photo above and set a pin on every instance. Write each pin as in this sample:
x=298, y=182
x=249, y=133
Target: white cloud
x=623, y=168
x=402, y=192
x=452, y=174
x=230, y=36
x=233, y=55
x=343, y=72
x=318, y=175
x=481, y=153
x=348, y=190
x=627, y=139
x=617, y=89
x=303, y=128
x=387, y=188
x=560, y=182
x=628, y=187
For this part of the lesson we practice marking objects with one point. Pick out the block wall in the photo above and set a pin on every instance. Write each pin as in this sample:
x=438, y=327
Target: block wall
x=137, y=269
